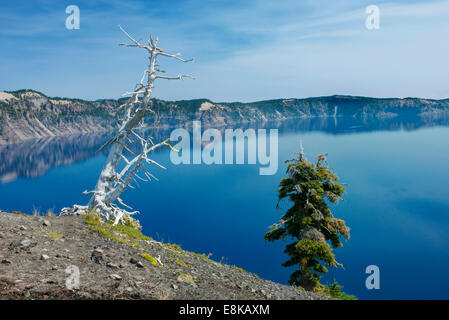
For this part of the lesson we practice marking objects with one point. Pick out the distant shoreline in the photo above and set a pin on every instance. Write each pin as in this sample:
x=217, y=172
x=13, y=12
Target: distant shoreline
x=28, y=114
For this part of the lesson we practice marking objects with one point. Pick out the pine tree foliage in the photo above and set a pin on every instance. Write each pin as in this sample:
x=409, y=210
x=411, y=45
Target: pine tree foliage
x=311, y=187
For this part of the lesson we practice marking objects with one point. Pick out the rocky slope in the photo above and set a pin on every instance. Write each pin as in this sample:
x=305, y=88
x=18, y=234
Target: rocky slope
x=26, y=114
x=36, y=254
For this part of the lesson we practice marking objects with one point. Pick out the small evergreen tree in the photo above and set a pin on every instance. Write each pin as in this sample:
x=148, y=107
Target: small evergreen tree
x=309, y=221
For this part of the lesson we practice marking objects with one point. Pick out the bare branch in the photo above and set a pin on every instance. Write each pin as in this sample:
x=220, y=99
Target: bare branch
x=136, y=43
x=174, y=56
x=178, y=77
x=124, y=158
x=123, y=204
x=137, y=176
x=154, y=162
x=110, y=141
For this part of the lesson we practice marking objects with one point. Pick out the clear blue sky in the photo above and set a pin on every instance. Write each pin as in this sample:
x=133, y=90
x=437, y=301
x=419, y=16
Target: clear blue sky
x=244, y=50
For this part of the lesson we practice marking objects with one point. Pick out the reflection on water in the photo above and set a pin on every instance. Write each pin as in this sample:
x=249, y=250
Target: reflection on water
x=344, y=125
x=35, y=158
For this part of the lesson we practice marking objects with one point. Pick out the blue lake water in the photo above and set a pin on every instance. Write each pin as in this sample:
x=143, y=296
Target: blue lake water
x=397, y=200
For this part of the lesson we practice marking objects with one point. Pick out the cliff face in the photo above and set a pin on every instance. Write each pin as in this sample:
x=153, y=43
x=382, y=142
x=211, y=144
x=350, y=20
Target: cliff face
x=26, y=114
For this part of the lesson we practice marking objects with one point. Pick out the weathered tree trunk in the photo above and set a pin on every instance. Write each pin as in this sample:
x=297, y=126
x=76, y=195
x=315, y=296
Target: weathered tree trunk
x=111, y=184
x=305, y=281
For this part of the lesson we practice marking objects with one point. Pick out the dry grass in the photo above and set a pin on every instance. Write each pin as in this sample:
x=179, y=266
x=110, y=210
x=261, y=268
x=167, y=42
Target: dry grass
x=36, y=212
x=53, y=235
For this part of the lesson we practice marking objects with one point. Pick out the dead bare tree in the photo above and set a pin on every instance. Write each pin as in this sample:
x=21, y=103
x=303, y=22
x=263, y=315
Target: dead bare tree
x=105, y=199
